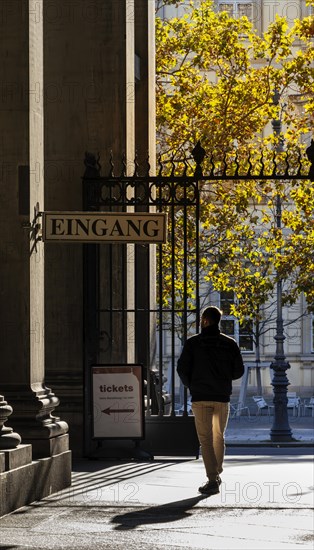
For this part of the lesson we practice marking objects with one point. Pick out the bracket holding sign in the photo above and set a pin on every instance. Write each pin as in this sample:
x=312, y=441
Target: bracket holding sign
x=118, y=402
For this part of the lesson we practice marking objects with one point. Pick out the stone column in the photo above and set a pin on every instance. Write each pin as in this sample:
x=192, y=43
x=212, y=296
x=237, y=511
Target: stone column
x=145, y=144
x=89, y=106
x=23, y=378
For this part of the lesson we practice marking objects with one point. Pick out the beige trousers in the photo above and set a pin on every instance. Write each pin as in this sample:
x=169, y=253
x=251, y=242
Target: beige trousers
x=211, y=419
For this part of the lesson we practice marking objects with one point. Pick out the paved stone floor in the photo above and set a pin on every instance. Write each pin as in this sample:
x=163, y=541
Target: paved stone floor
x=265, y=502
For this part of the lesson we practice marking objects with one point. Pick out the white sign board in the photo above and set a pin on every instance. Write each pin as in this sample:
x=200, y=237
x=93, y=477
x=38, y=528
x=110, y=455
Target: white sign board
x=104, y=227
x=118, y=401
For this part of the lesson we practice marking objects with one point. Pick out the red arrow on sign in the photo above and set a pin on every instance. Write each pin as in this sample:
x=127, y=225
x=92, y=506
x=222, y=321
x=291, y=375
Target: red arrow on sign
x=109, y=411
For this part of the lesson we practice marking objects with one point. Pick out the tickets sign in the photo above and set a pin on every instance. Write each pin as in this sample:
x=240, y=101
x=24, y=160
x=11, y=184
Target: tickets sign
x=118, y=410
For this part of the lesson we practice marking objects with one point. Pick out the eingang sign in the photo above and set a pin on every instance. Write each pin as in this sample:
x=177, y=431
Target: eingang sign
x=96, y=227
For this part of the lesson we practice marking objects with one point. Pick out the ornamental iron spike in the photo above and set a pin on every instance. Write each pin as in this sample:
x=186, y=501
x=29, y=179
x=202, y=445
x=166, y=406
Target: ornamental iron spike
x=173, y=166
x=249, y=173
x=136, y=165
x=225, y=166
x=262, y=162
x=111, y=173
x=310, y=155
x=185, y=163
x=299, y=158
x=123, y=171
x=92, y=165
x=198, y=154
x=148, y=167
x=160, y=165
x=236, y=161
x=212, y=166
x=287, y=165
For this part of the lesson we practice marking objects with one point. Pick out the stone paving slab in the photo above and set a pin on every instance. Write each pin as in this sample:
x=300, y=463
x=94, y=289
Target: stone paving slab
x=266, y=502
x=120, y=527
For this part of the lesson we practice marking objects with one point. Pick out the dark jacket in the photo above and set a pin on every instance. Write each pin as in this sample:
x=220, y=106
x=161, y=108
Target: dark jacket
x=208, y=363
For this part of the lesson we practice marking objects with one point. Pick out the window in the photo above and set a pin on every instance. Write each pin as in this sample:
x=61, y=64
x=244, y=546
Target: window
x=242, y=333
x=237, y=9
x=226, y=301
x=245, y=336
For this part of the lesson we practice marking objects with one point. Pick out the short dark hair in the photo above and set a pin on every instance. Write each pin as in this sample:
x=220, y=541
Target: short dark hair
x=212, y=314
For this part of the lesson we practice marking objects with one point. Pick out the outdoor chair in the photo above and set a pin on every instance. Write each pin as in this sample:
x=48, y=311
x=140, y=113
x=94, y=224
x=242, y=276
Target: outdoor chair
x=180, y=411
x=309, y=405
x=236, y=410
x=262, y=405
x=294, y=403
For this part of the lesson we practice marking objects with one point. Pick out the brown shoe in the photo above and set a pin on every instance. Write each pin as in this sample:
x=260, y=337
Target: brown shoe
x=210, y=487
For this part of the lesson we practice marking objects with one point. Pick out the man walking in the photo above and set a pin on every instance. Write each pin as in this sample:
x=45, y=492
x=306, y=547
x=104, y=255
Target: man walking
x=208, y=363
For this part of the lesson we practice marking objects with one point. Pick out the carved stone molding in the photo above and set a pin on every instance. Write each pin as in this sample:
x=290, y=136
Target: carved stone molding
x=8, y=438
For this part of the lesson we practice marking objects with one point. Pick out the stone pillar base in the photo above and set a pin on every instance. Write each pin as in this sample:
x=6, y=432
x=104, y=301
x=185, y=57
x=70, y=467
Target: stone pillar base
x=15, y=458
x=22, y=485
x=43, y=448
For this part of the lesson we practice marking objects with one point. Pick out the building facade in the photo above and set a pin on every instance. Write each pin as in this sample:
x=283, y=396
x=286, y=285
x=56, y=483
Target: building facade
x=76, y=77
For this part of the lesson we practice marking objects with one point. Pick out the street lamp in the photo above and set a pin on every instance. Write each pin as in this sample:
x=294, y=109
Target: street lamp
x=280, y=430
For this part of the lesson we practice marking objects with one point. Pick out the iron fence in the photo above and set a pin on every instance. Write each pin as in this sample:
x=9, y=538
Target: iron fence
x=143, y=308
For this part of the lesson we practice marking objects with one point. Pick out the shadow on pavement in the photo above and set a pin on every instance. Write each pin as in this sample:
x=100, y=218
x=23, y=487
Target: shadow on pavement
x=165, y=513
x=93, y=482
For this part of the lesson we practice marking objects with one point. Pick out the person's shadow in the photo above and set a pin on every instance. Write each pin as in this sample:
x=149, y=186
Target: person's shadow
x=172, y=511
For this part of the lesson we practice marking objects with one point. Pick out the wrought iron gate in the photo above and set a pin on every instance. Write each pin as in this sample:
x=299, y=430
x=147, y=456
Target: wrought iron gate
x=138, y=305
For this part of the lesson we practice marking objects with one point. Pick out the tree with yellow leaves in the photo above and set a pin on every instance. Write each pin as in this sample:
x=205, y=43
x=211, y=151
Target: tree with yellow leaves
x=219, y=82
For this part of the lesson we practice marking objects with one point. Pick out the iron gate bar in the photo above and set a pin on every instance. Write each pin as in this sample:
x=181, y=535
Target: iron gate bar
x=193, y=178
x=134, y=310
x=173, y=270
x=160, y=333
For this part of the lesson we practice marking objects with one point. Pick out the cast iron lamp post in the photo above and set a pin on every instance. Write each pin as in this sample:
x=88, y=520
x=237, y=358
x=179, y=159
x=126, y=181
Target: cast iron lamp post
x=280, y=430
